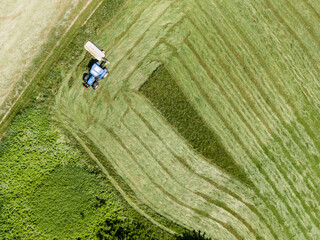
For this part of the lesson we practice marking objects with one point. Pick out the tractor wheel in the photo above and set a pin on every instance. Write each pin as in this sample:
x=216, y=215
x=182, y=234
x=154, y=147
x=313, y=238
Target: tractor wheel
x=95, y=85
x=85, y=77
x=105, y=75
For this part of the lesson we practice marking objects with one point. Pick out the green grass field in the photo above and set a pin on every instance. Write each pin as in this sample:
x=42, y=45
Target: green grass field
x=247, y=71
x=208, y=120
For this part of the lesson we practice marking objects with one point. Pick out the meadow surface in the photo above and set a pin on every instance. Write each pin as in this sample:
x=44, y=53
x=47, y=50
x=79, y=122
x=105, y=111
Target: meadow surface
x=246, y=73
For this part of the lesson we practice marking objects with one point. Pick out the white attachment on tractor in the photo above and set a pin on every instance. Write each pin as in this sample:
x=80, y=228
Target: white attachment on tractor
x=96, y=52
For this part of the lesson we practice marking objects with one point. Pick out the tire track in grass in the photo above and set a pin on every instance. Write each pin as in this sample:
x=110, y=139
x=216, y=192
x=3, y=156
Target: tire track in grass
x=141, y=34
x=225, y=226
x=203, y=196
x=294, y=136
x=299, y=219
x=254, y=160
x=283, y=172
x=248, y=125
x=292, y=62
x=128, y=27
x=101, y=30
x=295, y=13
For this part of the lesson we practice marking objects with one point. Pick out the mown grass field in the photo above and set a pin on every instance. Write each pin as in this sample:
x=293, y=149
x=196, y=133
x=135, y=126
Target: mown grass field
x=247, y=72
x=49, y=189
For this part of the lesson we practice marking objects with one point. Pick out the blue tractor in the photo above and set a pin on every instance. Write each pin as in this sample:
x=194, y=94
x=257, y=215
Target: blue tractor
x=97, y=70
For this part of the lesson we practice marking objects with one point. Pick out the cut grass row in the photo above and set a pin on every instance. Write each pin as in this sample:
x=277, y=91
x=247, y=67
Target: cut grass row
x=240, y=78
x=61, y=70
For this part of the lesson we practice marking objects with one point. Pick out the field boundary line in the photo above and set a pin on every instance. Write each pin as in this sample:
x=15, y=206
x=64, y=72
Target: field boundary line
x=44, y=62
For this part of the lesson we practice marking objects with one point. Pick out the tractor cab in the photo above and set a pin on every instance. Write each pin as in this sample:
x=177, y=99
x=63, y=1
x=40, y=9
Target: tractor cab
x=97, y=70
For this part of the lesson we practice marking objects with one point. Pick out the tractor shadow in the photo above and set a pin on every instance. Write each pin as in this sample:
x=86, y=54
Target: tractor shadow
x=91, y=62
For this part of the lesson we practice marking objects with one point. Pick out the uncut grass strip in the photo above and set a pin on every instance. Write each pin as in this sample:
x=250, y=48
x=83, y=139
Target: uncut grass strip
x=206, y=178
x=257, y=166
x=186, y=189
x=206, y=197
x=181, y=157
x=280, y=169
x=187, y=156
x=169, y=196
x=115, y=184
x=278, y=88
x=251, y=130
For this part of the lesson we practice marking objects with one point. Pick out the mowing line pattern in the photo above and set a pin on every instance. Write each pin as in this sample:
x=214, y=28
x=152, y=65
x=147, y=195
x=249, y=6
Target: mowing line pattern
x=250, y=71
